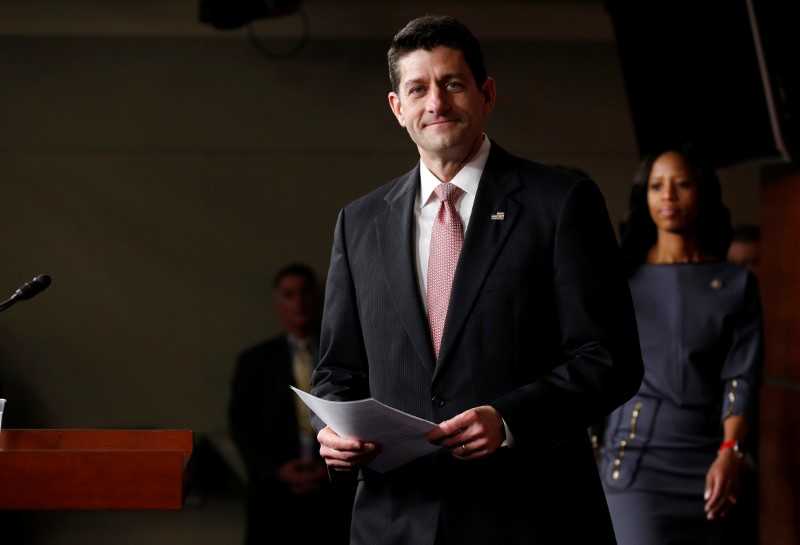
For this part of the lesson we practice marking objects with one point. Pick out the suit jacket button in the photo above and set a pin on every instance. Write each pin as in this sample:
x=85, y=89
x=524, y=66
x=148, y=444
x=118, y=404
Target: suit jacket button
x=439, y=401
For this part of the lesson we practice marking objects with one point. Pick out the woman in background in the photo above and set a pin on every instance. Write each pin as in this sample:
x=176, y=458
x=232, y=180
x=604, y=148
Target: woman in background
x=671, y=460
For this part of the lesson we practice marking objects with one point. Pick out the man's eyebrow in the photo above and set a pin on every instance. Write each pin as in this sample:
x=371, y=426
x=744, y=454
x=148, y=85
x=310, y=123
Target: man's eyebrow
x=411, y=83
x=445, y=77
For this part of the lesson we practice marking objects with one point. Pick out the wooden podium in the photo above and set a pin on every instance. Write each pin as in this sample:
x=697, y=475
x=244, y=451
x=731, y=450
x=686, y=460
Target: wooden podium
x=93, y=469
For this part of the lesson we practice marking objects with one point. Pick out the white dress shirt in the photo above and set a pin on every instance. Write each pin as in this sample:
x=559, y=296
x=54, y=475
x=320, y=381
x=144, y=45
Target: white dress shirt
x=427, y=207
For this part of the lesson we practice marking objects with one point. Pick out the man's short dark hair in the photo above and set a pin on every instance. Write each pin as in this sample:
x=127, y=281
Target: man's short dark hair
x=747, y=232
x=299, y=269
x=430, y=31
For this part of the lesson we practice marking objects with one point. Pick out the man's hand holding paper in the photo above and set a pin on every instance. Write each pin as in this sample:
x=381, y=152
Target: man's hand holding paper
x=377, y=435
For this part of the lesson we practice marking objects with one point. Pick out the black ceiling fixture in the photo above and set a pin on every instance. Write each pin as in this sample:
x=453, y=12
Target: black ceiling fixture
x=231, y=14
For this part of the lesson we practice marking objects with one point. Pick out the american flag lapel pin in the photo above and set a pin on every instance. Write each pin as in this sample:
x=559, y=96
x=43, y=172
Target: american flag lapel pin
x=498, y=216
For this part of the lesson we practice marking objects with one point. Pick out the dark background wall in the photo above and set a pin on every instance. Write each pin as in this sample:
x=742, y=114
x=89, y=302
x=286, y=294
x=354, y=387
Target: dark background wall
x=160, y=170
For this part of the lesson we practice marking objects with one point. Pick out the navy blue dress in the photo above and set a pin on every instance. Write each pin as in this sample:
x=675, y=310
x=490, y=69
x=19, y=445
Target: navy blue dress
x=701, y=334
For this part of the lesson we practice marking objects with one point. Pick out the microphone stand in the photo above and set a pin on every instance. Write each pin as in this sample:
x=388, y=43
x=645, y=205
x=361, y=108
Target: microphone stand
x=8, y=303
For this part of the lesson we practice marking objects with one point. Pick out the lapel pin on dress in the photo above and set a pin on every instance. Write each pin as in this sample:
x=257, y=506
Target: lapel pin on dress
x=716, y=284
x=498, y=216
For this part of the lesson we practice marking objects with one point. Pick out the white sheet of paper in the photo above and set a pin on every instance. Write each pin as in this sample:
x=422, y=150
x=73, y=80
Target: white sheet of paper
x=401, y=435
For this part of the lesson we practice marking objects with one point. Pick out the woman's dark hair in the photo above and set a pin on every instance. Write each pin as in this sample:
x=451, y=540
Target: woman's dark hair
x=713, y=227
x=430, y=31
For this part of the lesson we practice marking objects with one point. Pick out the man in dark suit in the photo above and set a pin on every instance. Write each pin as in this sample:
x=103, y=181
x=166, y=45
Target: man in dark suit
x=288, y=483
x=539, y=340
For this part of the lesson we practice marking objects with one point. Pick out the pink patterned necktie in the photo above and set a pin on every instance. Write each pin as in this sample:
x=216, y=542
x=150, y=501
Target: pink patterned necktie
x=446, y=238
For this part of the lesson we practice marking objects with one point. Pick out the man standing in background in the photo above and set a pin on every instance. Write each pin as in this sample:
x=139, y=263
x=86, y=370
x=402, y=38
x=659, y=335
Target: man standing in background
x=288, y=490
x=745, y=248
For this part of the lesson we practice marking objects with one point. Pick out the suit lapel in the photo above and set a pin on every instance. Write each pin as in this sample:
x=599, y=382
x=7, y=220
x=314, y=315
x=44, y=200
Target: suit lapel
x=395, y=232
x=494, y=214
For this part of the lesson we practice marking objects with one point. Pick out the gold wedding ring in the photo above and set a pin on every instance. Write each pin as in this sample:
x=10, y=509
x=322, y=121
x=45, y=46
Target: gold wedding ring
x=464, y=448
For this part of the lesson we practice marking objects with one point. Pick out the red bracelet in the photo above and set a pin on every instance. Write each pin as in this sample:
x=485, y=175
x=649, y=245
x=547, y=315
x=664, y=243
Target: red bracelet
x=729, y=444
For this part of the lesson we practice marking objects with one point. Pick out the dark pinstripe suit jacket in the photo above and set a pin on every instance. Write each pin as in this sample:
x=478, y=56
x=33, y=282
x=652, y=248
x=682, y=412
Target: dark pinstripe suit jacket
x=261, y=411
x=540, y=326
x=263, y=424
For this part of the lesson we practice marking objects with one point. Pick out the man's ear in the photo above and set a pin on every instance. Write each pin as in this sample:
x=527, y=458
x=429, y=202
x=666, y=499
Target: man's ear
x=489, y=91
x=397, y=108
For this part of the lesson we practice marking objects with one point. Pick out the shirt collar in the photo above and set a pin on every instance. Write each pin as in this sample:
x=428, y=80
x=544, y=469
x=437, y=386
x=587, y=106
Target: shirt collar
x=310, y=342
x=467, y=178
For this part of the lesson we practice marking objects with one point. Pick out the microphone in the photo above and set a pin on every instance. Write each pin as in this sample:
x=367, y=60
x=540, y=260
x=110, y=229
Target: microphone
x=33, y=287
x=28, y=290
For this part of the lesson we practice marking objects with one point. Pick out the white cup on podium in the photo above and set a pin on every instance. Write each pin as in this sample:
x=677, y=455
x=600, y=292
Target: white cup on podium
x=2, y=407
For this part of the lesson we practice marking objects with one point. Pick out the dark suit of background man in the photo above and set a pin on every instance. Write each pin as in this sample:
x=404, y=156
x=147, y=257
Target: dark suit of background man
x=288, y=489
x=539, y=341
